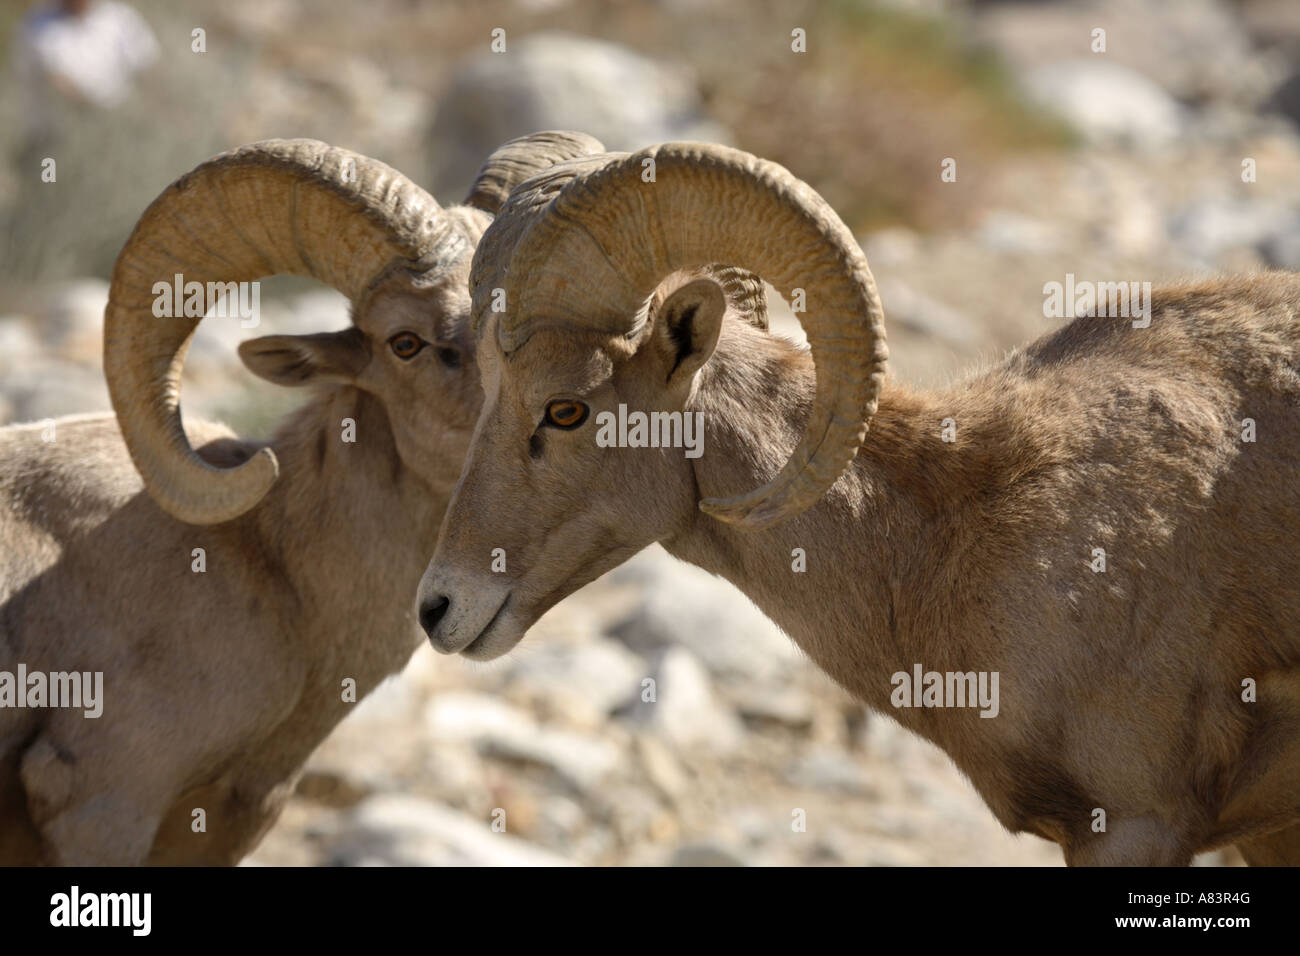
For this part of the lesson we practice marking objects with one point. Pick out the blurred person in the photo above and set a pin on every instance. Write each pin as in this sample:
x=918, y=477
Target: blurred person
x=73, y=55
x=78, y=66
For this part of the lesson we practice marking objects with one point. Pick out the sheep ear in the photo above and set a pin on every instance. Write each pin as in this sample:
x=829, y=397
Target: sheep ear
x=687, y=327
x=293, y=360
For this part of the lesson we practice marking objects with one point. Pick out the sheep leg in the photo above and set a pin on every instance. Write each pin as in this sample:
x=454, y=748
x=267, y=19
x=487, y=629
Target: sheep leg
x=82, y=825
x=1137, y=841
x=20, y=841
x=103, y=831
x=238, y=816
x=1280, y=848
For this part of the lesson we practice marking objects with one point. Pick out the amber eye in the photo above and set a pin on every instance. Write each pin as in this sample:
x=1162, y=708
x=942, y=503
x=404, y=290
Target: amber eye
x=405, y=345
x=566, y=414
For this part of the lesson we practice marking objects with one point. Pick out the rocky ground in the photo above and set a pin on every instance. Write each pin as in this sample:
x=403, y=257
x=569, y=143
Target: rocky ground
x=747, y=754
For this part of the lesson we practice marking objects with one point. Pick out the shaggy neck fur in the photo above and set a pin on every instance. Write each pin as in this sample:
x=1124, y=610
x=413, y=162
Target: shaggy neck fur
x=394, y=529
x=870, y=607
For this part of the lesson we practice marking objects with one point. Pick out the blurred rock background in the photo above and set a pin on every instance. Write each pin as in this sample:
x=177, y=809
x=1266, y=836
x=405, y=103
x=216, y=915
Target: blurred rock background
x=1115, y=166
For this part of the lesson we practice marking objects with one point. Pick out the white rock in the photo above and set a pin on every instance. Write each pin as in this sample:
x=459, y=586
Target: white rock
x=825, y=769
x=787, y=705
x=1106, y=102
x=455, y=770
x=683, y=604
x=1195, y=49
x=686, y=712
x=603, y=673
x=558, y=80
x=562, y=815
x=496, y=729
x=582, y=761
x=399, y=830
x=1206, y=228
x=473, y=718
x=663, y=769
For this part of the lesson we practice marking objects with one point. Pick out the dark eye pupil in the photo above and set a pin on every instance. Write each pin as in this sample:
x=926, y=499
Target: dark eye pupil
x=566, y=414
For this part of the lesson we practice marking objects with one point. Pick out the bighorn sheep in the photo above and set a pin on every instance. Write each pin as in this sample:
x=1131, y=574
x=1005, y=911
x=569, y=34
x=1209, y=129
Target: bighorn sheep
x=1127, y=730
x=217, y=686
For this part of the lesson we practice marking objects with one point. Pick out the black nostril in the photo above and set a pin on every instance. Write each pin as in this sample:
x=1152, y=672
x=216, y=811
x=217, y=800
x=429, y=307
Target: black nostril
x=431, y=612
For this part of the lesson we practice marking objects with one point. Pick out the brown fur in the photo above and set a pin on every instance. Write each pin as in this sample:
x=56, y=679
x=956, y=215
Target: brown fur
x=218, y=686
x=1120, y=690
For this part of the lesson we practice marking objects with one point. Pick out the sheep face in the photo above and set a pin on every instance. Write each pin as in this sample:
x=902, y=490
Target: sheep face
x=303, y=207
x=563, y=453
x=410, y=347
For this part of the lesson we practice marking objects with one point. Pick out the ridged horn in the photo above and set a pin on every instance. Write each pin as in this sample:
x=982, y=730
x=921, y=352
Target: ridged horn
x=522, y=158
x=587, y=242
x=297, y=207
x=744, y=291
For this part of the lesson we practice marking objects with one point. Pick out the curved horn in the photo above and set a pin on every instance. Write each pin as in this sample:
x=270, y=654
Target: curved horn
x=522, y=158
x=591, y=240
x=744, y=291
x=299, y=207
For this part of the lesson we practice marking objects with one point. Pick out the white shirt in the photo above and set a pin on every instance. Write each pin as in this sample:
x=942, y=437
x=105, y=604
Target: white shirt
x=98, y=54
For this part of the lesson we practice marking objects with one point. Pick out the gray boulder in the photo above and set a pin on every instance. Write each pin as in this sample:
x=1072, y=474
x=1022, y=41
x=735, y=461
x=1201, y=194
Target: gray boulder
x=560, y=81
x=399, y=830
x=1107, y=103
x=683, y=604
x=1207, y=228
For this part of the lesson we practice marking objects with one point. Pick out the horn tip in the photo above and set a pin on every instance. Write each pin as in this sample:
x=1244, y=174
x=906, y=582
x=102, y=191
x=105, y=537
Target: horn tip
x=259, y=472
x=264, y=471
x=743, y=515
x=268, y=465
